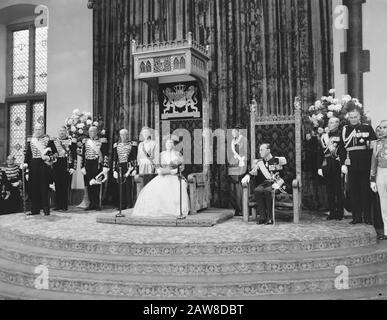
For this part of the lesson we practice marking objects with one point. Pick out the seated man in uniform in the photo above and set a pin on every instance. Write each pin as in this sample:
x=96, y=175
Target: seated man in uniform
x=270, y=169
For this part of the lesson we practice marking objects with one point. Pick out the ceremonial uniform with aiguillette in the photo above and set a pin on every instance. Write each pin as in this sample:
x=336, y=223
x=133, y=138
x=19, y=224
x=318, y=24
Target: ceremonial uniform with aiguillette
x=39, y=171
x=379, y=176
x=357, y=144
x=14, y=176
x=125, y=162
x=94, y=159
x=66, y=161
x=270, y=171
x=4, y=191
x=329, y=160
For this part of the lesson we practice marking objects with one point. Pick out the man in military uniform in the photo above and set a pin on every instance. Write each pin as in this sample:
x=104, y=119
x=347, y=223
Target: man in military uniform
x=329, y=167
x=270, y=169
x=237, y=167
x=40, y=154
x=94, y=161
x=64, y=167
x=4, y=191
x=125, y=167
x=14, y=177
x=379, y=174
x=357, y=139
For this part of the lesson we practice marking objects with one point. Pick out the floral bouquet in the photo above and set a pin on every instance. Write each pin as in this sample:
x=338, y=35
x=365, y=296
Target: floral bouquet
x=328, y=107
x=78, y=125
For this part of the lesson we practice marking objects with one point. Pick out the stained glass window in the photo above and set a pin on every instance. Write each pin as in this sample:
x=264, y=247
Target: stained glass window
x=41, y=59
x=17, y=128
x=38, y=113
x=20, y=61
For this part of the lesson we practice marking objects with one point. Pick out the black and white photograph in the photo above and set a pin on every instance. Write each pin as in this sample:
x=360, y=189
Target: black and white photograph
x=207, y=151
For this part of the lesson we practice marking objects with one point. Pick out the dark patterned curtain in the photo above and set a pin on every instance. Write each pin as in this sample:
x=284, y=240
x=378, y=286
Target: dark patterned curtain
x=270, y=50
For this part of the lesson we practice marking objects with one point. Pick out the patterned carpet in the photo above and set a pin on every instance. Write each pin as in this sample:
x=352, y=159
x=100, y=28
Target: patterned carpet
x=77, y=225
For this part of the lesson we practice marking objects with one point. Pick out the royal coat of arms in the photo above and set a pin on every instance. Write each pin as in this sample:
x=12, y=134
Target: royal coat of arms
x=181, y=101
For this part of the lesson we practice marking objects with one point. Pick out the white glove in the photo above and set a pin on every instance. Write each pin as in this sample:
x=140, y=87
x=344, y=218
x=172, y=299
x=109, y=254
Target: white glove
x=27, y=177
x=276, y=186
x=71, y=172
x=16, y=184
x=115, y=175
x=320, y=173
x=83, y=170
x=52, y=187
x=344, y=170
x=134, y=173
x=246, y=180
x=374, y=187
x=45, y=158
x=23, y=166
x=105, y=170
x=7, y=195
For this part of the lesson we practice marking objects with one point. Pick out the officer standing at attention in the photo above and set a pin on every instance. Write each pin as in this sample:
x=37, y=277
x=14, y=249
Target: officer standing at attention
x=94, y=161
x=379, y=173
x=357, y=140
x=271, y=170
x=64, y=167
x=40, y=154
x=125, y=166
x=14, y=203
x=329, y=167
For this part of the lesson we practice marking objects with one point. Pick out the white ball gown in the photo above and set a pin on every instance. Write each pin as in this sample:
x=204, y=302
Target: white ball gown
x=160, y=198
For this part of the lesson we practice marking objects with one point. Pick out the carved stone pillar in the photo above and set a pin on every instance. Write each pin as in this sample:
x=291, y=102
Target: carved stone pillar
x=355, y=61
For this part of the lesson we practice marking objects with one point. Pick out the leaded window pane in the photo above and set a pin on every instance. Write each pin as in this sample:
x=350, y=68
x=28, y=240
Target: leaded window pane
x=41, y=59
x=38, y=114
x=20, y=57
x=17, y=127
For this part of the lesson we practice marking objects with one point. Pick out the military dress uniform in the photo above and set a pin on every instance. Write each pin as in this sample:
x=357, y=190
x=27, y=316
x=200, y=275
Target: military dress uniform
x=14, y=176
x=125, y=159
x=39, y=171
x=66, y=160
x=263, y=193
x=94, y=159
x=329, y=160
x=357, y=144
x=4, y=191
x=379, y=176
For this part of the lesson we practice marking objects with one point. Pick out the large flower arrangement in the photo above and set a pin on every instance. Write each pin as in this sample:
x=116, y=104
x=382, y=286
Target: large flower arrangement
x=78, y=125
x=328, y=107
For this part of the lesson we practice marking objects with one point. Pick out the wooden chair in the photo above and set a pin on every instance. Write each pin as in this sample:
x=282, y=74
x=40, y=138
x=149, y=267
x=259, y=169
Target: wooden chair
x=290, y=203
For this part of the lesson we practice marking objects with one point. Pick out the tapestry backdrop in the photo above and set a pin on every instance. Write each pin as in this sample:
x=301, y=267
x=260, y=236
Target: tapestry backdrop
x=270, y=50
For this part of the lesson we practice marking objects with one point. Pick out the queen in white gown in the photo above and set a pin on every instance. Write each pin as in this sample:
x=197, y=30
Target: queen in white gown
x=161, y=196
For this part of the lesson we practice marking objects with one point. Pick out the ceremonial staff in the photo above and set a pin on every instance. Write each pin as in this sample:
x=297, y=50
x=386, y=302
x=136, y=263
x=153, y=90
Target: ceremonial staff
x=181, y=217
x=24, y=190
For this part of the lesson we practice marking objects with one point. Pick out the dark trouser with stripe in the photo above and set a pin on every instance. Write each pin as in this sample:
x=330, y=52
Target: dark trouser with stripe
x=62, y=180
x=235, y=193
x=92, y=170
x=39, y=180
x=264, y=198
x=127, y=188
x=359, y=194
x=334, y=189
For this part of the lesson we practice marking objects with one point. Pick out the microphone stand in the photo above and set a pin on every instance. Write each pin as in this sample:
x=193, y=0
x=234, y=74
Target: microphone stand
x=120, y=182
x=181, y=217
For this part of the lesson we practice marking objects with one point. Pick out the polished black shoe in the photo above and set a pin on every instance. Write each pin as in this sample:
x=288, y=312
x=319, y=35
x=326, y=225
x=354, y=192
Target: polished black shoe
x=368, y=222
x=355, y=222
x=268, y=223
x=260, y=222
x=382, y=238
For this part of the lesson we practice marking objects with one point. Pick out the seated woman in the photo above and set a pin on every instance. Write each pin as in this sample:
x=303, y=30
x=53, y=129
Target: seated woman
x=163, y=196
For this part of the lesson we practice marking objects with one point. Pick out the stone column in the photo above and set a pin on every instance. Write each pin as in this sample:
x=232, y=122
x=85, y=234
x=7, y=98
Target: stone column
x=355, y=61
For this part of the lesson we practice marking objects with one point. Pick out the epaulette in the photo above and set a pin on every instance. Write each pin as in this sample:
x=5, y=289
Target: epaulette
x=282, y=161
x=115, y=145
